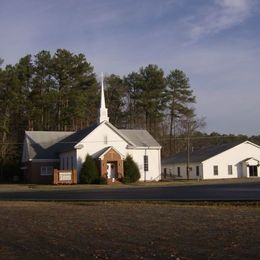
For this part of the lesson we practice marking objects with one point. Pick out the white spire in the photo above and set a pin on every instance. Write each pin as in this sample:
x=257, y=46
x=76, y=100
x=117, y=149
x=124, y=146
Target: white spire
x=103, y=102
x=103, y=110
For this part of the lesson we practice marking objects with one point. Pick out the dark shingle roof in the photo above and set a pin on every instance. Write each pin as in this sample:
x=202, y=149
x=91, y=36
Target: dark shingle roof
x=199, y=155
x=69, y=142
x=48, y=144
x=44, y=144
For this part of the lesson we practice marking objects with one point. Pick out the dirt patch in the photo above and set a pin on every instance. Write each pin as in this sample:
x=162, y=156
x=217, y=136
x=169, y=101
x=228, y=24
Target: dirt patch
x=108, y=230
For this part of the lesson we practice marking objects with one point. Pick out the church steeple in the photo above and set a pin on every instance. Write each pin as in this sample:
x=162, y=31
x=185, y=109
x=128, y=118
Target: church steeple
x=103, y=110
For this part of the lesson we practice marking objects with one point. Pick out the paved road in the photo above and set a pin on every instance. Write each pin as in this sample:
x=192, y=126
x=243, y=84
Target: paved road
x=213, y=192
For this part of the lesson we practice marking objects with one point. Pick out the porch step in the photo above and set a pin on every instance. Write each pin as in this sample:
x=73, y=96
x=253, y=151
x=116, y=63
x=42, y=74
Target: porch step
x=115, y=182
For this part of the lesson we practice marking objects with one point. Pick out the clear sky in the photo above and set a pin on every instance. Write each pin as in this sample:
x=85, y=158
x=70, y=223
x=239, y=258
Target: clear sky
x=215, y=42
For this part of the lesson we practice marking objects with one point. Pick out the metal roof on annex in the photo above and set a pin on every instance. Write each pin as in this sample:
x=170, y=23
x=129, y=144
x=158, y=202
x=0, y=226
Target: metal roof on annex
x=199, y=155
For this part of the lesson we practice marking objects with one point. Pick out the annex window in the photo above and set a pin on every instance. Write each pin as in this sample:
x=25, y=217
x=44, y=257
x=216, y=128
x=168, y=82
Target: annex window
x=197, y=171
x=179, y=171
x=146, y=163
x=215, y=170
x=46, y=170
x=230, y=170
x=165, y=172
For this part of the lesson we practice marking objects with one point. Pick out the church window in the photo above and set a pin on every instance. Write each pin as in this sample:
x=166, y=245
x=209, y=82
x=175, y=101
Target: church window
x=146, y=163
x=230, y=170
x=179, y=171
x=71, y=162
x=215, y=170
x=46, y=170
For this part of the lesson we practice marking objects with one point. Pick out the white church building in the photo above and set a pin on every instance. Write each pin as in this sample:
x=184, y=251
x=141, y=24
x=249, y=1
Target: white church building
x=224, y=161
x=44, y=151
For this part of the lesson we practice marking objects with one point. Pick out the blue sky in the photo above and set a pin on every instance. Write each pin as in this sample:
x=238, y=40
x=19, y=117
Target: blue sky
x=215, y=42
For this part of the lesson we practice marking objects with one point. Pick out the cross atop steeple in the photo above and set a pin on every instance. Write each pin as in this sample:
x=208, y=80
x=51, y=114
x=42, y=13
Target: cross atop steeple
x=103, y=110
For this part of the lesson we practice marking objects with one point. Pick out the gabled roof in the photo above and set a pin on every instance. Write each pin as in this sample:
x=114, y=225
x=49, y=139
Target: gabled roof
x=140, y=138
x=105, y=150
x=44, y=144
x=250, y=158
x=199, y=155
x=48, y=144
x=70, y=141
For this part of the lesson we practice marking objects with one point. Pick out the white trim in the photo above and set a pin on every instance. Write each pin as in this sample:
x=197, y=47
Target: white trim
x=111, y=127
x=107, y=150
x=251, y=158
x=251, y=144
x=144, y=147
x=118, y=132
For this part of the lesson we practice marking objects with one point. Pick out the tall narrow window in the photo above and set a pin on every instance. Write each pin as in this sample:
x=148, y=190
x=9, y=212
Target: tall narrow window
x=197, y=171
x=71, y=163
x=215, y=170
x=230, y=170
x=179, y=171
x=146, y=163
x=67, y=163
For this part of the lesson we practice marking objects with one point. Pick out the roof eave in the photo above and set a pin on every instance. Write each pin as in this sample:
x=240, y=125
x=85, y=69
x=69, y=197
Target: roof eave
x=144, y=147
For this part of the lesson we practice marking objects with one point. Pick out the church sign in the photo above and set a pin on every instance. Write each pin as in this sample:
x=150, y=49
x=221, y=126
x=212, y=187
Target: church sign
x=65, y=175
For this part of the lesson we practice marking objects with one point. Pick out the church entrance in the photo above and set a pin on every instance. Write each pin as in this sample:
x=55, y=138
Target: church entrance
x=253, y=171
x=111, y=171
x=111, y=164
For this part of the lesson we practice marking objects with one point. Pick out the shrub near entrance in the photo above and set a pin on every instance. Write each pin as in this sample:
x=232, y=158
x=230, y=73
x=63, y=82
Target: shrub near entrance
x=131, y=170
x=89, y=171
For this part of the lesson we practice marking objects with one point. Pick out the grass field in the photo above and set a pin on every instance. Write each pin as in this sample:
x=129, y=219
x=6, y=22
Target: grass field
x=124, y=230
x=175, y=183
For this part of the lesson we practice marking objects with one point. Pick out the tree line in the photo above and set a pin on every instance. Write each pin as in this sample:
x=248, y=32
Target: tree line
x=61, y=92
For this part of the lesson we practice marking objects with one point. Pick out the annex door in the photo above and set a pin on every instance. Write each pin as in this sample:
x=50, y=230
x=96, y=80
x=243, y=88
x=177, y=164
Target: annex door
x=253, y=171
x=111, y=171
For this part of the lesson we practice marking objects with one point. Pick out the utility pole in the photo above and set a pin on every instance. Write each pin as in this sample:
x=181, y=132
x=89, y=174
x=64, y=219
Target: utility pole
x=145, y=165
x=188, y=150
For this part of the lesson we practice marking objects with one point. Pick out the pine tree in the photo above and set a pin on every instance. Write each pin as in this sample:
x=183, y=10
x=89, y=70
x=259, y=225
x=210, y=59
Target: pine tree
x=147, y=97
x=180, y=97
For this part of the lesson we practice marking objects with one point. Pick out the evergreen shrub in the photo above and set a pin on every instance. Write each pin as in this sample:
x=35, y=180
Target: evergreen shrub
x=89, y=172
x=131, y=170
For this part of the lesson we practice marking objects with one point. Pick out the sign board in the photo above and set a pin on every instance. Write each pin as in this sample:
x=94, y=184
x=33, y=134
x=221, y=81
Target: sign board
x=65, y=176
